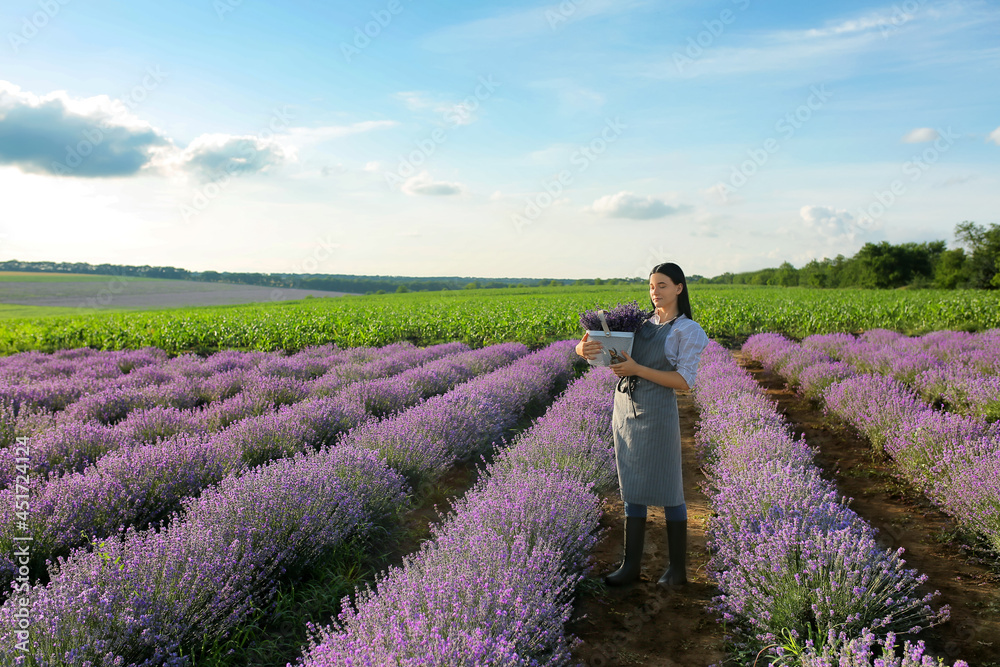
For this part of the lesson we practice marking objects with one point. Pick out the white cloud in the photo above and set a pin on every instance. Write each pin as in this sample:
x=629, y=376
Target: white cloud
x=882, y=22
x=844, y=43
x=414, y=100
x=958, y=180
x=211, y=156
x=571, y=95
x=422, y=184
x=921, y=135
x=836, y=225
x=95, y=137
x=721, y=193
x=100, y=137
x=297, y=137
x=994, y=136
x=633, y=207
x=454, y=113
x=519, y=25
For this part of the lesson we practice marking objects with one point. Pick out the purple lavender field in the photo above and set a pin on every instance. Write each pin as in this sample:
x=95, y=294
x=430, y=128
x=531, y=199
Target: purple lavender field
x=166, y=509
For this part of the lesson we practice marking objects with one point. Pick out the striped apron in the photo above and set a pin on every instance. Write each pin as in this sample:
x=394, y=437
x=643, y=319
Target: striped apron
x=646, y=428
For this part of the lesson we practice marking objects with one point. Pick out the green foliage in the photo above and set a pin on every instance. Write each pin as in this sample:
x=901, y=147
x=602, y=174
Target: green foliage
x=983, y=244
x=887, y=266
x=951, y=271
x=533, y=316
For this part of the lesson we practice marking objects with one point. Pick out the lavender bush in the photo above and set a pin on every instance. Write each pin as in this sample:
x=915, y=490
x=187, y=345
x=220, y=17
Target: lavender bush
x=493, y=586
x=574, y=435
x=790, y=558
x=132, y=486
x=422, y=441
x=627, y=317
x=140, y=597
x=950, y=457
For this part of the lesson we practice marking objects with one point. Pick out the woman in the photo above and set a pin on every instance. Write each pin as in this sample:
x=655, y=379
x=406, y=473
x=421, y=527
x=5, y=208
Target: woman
x=646, y=428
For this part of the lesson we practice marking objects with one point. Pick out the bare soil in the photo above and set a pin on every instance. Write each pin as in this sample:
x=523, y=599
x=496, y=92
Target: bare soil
x=124, y=293
x=643, y=623
x=970, y=585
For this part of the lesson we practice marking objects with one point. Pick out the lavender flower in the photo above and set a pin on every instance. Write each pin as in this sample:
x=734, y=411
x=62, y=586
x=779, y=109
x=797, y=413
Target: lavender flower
x=627, y=317
x=840, y=650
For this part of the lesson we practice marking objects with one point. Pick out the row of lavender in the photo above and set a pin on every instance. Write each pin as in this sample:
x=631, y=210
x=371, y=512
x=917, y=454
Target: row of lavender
x=149, y=597
x=75, y=418
x=959, y=369
x=141, y=483
x=953, y=459
x=800, y=574
x=494, y=585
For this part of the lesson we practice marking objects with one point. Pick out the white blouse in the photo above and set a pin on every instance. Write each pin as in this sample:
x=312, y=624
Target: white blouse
x=683, y=346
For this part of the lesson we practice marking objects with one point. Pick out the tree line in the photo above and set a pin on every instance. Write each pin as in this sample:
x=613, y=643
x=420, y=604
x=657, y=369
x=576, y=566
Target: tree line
x=324, y=282
x=975, y=264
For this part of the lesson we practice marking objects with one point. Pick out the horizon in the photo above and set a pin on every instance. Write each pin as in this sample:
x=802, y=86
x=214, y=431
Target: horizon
x=492, y=140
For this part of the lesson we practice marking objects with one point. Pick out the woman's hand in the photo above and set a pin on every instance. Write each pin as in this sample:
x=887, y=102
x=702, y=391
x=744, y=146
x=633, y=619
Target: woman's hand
x=588, y=349
x=626, y=368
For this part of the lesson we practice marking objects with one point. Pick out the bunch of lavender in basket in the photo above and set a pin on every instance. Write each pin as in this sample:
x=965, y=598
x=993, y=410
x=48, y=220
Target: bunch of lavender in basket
x=626, y=317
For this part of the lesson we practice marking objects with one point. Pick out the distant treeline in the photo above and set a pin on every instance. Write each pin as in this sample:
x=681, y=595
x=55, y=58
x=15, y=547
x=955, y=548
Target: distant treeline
x=974, y=265
x=325, y=282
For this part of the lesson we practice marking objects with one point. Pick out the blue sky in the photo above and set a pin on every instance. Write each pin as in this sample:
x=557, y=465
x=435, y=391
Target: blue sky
x=587, y=138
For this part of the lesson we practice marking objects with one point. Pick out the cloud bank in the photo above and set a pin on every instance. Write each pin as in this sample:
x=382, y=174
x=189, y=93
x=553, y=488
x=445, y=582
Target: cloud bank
x=99, y=137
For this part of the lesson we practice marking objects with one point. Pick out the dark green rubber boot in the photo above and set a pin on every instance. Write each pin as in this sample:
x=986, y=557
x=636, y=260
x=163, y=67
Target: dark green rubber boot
x=676, y=573
x=635, y=535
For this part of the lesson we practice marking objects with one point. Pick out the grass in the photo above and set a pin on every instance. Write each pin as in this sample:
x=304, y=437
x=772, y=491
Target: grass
x=278, y=634
x=13, y=311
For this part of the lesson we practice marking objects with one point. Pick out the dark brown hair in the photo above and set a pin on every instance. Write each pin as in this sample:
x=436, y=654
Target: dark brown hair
x=676, y=274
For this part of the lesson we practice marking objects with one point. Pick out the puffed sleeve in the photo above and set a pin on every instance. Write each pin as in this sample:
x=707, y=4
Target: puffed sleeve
x=685, y=350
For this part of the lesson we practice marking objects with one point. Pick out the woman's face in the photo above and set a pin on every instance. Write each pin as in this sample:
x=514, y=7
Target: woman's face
x=663, y=292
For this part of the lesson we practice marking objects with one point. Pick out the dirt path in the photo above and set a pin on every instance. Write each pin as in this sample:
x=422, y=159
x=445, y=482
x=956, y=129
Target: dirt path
x=643, y=624
x=904, y=519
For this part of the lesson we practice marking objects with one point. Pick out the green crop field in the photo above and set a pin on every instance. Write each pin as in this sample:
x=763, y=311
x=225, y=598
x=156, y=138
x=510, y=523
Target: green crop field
x=479, y=317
